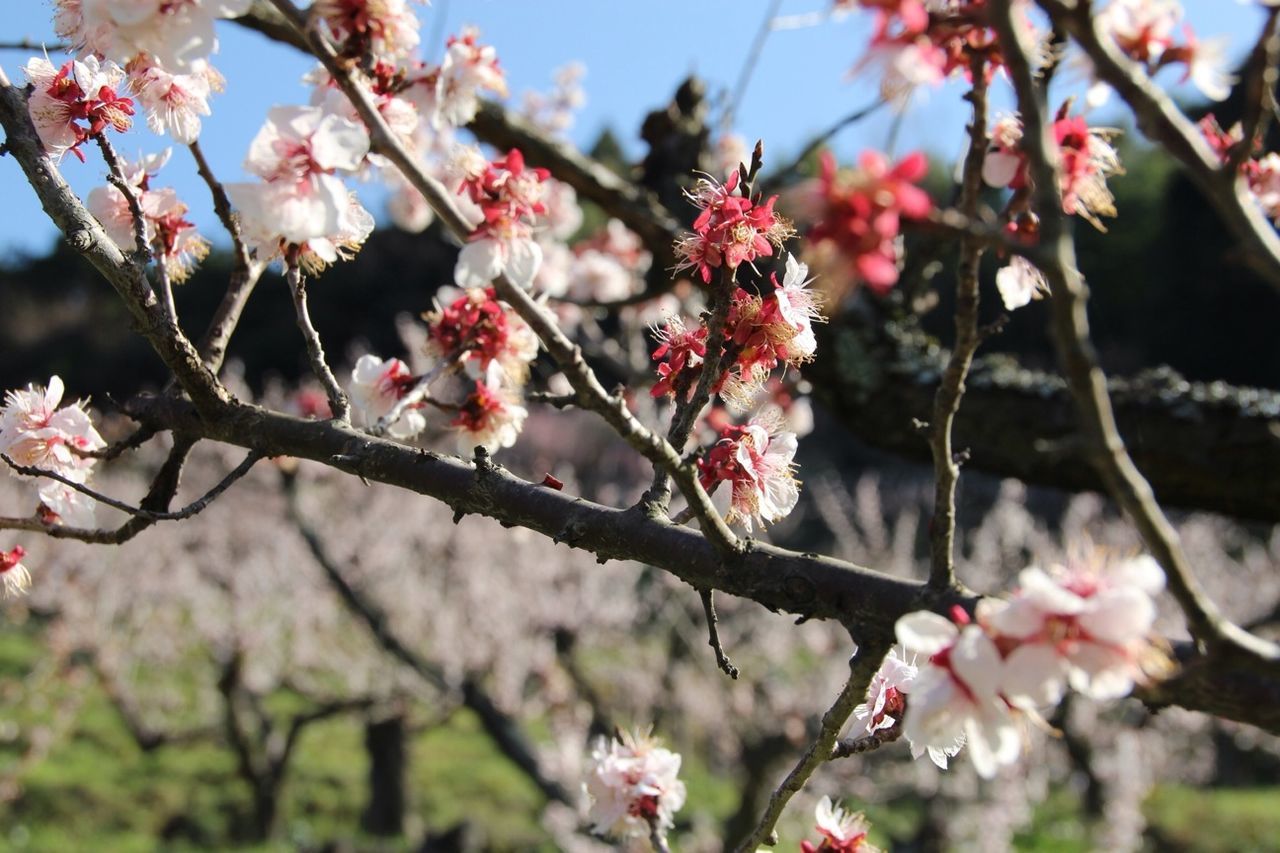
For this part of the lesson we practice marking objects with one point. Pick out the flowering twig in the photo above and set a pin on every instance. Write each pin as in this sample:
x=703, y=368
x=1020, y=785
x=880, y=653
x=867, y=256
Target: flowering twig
x=33, y=46
x=862, y=666
x=591, y=394
x=115, y=174
x=416, y=394
x=1259, y=92
x=244, y=272
x=713, y=633
x=1080, y=364
x=338, y=402
x=1161, y=121
x=946, y=470
x=188, y=511
x=867, y=743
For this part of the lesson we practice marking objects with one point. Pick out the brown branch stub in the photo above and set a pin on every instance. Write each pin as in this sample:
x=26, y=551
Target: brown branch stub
x=338, y=402
x=713, y=633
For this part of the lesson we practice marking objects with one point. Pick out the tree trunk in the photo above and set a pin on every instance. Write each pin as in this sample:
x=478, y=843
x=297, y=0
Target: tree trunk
x=384, y=741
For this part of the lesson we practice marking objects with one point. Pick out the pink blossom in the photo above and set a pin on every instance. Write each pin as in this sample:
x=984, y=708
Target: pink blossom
x=174, y=102
x=35, y=432
x=1086, y=624
x=69, y=105
x=15, y=580
x=490, y=417
x=841, y=831
x=448, y=94
x=957, y=692
x=384, y=29
x=509, y=196
x=633, y=787
x=731, y=230
x=476, y=328
x=756, y=460
x=376, y=386
x=175, y=33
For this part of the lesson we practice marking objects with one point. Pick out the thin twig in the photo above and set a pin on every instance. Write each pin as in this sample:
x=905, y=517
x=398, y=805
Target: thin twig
x=657, y=838
x=1259, y=93
x=415, y=394
x=713, y=633
x=780, y=177
x=150, y=515
x=32, y=45
x=867, y=743
x=142, y=248
x=338, y=402
x=165, y=283
x=862, y=666
x=244, y=272
x=1080, y=364
x=946, y=472
x=591, y=394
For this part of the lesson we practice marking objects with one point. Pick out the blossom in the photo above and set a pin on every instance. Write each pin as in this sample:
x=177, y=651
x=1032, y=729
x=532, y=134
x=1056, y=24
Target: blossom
x=477, y=328
x=888, y=702
x=489, y=417
x=1019, y=282
x=174, y=102
x=633, y=786
x=164, y=223
x=1086, y=624
x=71, y=104
x=376, y=386
x=297, y=153
x=509, y=196
x=554, y=114
x=756, y=460
x=387, y=29
x=860, y=212
x=448, y=94
x=1142, y=29
x=731, y=230
x=174, y=34
x=681, y=352
x=15, y=580
x=841, y=831
x=956, y=693
x=36, y=432
x=65, y=505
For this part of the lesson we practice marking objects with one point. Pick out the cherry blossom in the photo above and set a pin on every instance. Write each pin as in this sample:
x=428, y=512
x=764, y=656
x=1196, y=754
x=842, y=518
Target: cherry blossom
x=509, y=196
x=1086, y=623
x=887, y=703
x=62, y=504
x=490, y=417
x=841, y=831
x=376, y=386
x=731, y=230
x=633, y=786
x=448, y=94
x=1019, y=282
x=476, y=328
x=175, y=33
x=174, y=102
x=859, y=212
x=36, y=432
x=297, y=153
x=71, y=104
x=756, y=460
x=681, y=352
x=1145, y=31
x=957, y=692
x=386, y=29
x=15, y=580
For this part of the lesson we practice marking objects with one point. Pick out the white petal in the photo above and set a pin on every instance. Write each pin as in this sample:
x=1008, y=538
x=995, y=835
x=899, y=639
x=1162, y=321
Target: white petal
x=523, y=259
x=925, y=633
x=479, y=263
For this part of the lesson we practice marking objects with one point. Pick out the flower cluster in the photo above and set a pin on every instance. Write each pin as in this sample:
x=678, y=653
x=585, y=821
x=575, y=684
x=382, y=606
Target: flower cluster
x=730, y=230
x=448, y=94
x=35, y=432
x=857, y=215
x=762, y=333
x=841, y=831
x=1145, y=31
x=167, y=230
x=1085, y=625
x=554, y=113
x=72, y=104
x=473, y=332
x=379, y=28
x=509, y=196
x=923, y=42
x=1087, y=159
x=1261, y=173
x=756, y=460
x=633, y=787
x=300, y=200
x=173, y=34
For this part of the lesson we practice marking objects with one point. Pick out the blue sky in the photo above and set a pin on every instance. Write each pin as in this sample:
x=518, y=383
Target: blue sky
x=635, y=53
